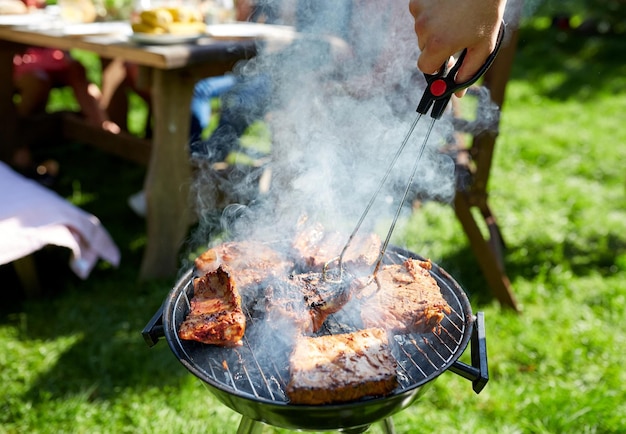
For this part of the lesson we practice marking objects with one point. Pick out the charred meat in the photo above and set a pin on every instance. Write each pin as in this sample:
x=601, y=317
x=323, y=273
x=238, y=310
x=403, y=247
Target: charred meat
x=321, y=297
x=285, y=309
x=216, y=317
x=250, y=262
x=304, y=301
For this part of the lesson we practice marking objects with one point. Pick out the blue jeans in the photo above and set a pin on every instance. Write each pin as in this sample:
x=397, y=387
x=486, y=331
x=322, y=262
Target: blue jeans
x=246, y=102
x=204, y=91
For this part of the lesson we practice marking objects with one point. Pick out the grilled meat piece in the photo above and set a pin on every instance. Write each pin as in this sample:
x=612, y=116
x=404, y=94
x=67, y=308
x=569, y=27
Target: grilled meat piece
x=320, y=297
x=250, y=262
x=286, y=310
x=409, y=299
x=216, y=317
x=341, y=368
x=316, y=247
x=304, y=301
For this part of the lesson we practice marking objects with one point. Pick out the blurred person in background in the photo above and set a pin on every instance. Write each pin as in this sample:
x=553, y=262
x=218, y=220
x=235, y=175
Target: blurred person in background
x=258, y=11
x=262, y=11
x=36, y=71
x=251, y=97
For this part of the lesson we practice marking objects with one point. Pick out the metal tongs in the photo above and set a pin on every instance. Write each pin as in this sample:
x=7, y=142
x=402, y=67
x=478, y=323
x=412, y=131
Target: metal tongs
x=440, y=87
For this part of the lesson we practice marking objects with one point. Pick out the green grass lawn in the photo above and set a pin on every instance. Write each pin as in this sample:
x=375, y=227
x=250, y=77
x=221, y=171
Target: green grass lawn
x=73, y=361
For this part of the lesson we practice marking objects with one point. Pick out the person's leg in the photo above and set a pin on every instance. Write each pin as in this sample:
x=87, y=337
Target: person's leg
x=34, y=88
x=204, y=91
x=87, y=94
x=114, y=99
x=244, y=104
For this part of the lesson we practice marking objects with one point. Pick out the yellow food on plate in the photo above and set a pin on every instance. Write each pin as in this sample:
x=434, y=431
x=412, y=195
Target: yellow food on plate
x=186, y=28
x=169, y=20
x=146, y=28
x=185, y=15
x=156, y=17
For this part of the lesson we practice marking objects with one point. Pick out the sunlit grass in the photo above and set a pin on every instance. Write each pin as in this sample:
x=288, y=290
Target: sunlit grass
x=74, y=360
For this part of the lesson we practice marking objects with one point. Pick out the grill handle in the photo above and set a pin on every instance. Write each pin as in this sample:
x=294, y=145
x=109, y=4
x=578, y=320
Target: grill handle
x=154, y=329
x=478, y=373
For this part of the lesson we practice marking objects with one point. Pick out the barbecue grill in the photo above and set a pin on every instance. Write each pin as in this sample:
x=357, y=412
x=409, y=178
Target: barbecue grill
x=251, y=379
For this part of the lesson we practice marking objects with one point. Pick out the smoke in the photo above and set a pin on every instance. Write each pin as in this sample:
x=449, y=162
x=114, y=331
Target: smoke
x=517, y=9
x=337, y=116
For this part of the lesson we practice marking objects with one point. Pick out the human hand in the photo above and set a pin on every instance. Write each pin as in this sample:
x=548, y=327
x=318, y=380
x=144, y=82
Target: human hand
x=446, y=27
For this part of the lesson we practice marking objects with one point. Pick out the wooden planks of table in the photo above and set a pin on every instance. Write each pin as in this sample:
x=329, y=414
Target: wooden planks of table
x=171, y=71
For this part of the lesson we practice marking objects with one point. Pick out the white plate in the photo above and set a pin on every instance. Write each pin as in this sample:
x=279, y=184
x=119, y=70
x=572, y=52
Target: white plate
x=164, y=39
x=246, y=30
x=105, y=28
x=31, y=19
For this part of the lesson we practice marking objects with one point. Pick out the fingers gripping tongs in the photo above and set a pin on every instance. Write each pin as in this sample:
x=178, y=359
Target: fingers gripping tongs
x=440, y=87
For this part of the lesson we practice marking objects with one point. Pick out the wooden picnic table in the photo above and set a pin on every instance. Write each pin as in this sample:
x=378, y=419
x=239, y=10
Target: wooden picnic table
x=171, y=71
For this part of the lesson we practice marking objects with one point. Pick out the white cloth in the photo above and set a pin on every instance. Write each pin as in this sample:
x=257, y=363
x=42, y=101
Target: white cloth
x=32, y=217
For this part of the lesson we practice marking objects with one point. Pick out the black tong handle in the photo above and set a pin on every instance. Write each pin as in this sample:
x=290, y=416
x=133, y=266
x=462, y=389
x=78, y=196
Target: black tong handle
x=441, y=85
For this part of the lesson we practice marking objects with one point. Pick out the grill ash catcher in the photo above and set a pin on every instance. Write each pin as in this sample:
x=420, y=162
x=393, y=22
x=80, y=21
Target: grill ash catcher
x=251, y=379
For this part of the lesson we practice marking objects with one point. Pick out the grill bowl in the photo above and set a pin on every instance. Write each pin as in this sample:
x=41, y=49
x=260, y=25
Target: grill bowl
x=251, y=379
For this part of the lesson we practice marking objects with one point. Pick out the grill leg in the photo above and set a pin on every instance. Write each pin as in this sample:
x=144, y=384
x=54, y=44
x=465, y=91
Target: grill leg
x=387, y=425
x=249, y=426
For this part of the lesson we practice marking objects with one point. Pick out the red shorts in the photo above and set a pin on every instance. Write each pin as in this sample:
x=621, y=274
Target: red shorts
x=50, y=60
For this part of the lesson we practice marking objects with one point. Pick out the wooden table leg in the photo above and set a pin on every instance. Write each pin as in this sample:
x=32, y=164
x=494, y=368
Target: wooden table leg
x=169, y=174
